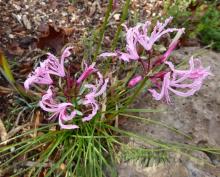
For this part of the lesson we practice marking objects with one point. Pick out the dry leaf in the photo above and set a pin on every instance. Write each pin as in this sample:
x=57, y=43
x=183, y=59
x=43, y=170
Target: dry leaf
x=71, y=9
x=53, y=38
x=26, y=22
x=53, y=4
x=15, y=49
x=68, y=31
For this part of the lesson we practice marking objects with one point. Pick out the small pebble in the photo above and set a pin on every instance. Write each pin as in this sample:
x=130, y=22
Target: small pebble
x=11, y=36
x=117, y=17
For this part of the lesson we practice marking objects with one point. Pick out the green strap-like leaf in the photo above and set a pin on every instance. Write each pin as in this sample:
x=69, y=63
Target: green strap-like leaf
x=5, y=69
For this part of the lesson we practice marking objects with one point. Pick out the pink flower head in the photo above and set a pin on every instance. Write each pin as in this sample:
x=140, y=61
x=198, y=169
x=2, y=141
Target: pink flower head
x=51, y=66
x=186, y=81
x=140, y=34
x=54, y=66
x=39, y=76
x=159, y=30
x=59, y=110
x=131, y=47
x=96, y=90
x=134, y=81
x=88, y=71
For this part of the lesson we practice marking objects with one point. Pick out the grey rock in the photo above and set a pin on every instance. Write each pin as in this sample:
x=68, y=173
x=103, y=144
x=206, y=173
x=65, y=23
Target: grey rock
x=197, y=116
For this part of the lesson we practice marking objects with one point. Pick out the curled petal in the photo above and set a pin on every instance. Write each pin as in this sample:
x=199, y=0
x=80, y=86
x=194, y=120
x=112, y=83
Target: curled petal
x=164, y=90
x=53, y=65
x=131, y=47
x=66, y=53
x=39, y=76
x=95, y=108
x=102, y=89
x=147, y=41
x=63, y=126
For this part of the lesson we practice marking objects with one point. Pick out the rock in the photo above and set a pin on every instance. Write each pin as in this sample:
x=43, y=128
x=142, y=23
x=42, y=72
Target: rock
x=161, y=170
x=197, y=116
x=125, y=170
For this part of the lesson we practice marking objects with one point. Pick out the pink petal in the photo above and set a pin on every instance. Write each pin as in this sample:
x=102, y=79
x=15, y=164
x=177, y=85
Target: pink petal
x=88, y=71
x=134, y=81
x=95, y=108
x=164, y=90
x=63, y=126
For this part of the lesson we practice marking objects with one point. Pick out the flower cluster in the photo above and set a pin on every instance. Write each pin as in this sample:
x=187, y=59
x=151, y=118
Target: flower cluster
x=66, y=111
x=82, y=97
x=138, y=35
x=186, y=81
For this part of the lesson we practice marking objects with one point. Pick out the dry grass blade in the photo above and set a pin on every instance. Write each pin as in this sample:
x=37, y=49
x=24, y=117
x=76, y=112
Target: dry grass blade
x=3, y=132
x=5, y=90
x=16, y=130
x=38, y=118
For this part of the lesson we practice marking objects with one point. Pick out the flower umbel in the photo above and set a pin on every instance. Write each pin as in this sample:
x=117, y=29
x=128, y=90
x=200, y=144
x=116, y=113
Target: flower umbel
x=138, y=35
x=51, y=66
x=70, y=87
x=186, y=81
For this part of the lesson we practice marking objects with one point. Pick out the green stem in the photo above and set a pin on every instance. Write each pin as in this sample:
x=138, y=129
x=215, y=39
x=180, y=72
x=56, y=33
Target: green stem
x=123, y=18
x=137, y=91
x=103, y=28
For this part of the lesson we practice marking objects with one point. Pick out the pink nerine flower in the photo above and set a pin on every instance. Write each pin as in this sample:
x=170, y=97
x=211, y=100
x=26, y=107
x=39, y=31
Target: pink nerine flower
x=186, y=81
x=159, y=30
x=96, y=90
x=134, y=81
x=54, y=66
x=139, y=34
x=39, y=76
x=59, y=110
x=51, y=66
x=131, y=47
